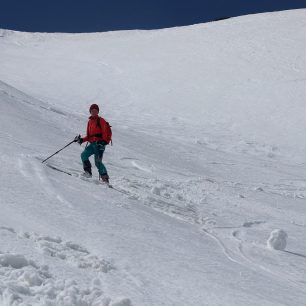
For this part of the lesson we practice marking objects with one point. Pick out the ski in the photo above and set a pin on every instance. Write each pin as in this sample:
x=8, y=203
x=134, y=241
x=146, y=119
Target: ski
x=58, y=169
x=80, y=175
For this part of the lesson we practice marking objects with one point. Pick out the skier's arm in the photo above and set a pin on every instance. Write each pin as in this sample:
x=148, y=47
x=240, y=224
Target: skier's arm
x=85, y=138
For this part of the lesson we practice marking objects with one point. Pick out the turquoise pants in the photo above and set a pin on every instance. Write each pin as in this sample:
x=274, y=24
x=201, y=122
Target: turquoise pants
x=97, y=150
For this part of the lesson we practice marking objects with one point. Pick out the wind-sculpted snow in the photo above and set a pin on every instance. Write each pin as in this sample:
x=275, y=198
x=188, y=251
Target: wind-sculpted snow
x=207, y=125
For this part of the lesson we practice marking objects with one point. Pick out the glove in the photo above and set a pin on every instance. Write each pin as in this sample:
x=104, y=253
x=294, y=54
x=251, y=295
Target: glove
x=78, y=139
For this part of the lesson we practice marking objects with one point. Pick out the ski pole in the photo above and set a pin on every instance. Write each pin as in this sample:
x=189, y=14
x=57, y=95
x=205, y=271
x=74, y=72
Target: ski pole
x=59, y=150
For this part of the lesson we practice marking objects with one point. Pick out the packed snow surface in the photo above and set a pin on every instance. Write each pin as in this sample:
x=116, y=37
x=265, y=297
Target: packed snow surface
x=208, y=159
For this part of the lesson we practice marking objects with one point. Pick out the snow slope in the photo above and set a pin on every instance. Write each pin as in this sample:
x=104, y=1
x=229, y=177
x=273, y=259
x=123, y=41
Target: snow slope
x=232, y=76
x=207, y=147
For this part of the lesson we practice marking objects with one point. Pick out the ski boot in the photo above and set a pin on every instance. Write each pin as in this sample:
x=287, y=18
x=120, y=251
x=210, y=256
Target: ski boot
x=105, y=179
x=87, y=169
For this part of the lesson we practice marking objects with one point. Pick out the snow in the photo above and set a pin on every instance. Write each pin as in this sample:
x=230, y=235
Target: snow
x=14, y=260
x=207, y=161
x=277, y=240
x=41, y=288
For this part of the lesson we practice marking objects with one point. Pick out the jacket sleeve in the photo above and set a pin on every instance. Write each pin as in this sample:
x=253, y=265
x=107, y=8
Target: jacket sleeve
x=85, y=138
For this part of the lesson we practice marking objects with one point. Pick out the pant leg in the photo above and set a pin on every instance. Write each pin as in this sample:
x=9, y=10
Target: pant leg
x=88, y=151
x=99, y=150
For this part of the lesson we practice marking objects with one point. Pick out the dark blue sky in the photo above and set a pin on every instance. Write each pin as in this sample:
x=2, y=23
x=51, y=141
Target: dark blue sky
x=101, y=15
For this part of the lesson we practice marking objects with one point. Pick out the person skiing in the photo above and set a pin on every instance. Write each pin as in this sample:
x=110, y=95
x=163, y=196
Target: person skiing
x=98, y=135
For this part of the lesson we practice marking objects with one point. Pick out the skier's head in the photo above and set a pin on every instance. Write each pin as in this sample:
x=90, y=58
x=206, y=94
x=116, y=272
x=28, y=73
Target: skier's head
x=94, y=109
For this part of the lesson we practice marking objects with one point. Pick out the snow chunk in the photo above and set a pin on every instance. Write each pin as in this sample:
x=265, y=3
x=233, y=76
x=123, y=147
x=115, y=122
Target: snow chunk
x=15, y=261
x=50, y=239
x=277, y=240
x=31, y=278
x=76, y=247
x=156, y=190
x=123, y=302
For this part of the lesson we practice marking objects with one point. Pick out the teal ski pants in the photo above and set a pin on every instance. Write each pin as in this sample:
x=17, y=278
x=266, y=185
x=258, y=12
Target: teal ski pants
x=95, y=149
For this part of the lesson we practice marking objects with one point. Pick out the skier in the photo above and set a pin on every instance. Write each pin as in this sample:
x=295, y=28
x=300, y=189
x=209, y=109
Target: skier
x=98, y=135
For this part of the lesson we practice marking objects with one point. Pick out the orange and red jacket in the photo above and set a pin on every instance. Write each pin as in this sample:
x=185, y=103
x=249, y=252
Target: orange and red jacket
x=95, y=129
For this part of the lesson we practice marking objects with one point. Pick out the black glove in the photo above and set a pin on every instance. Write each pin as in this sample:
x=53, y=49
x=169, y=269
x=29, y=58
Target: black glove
x=78, y=139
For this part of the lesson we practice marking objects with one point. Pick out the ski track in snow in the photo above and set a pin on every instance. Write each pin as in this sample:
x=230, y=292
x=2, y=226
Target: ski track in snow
x=167, y=198
x=235, y=253
x=68, y=251
x=32, y=170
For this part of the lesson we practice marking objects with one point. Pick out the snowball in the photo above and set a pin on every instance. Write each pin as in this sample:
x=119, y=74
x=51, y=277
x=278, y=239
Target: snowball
x=277, y=240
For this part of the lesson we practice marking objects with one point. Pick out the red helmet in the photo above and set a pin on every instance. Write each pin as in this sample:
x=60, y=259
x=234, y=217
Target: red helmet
x=94, y=106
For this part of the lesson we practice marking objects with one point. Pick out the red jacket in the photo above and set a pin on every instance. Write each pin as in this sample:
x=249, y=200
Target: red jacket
x=95, y=129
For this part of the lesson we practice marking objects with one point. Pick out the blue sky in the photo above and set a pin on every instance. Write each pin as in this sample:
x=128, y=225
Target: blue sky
x=100, y=15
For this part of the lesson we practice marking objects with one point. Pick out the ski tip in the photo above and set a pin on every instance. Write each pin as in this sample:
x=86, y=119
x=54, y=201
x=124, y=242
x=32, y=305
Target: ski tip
x=107, y=184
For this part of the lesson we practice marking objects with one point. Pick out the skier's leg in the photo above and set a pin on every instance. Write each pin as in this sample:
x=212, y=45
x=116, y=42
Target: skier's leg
x=88, y=151
x=99, y=150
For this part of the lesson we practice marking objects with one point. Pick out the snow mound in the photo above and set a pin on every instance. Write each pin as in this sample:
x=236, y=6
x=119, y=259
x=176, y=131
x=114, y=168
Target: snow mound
x=277, y=240
x=24, y=282
x=20, y=280
x=15, y=261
